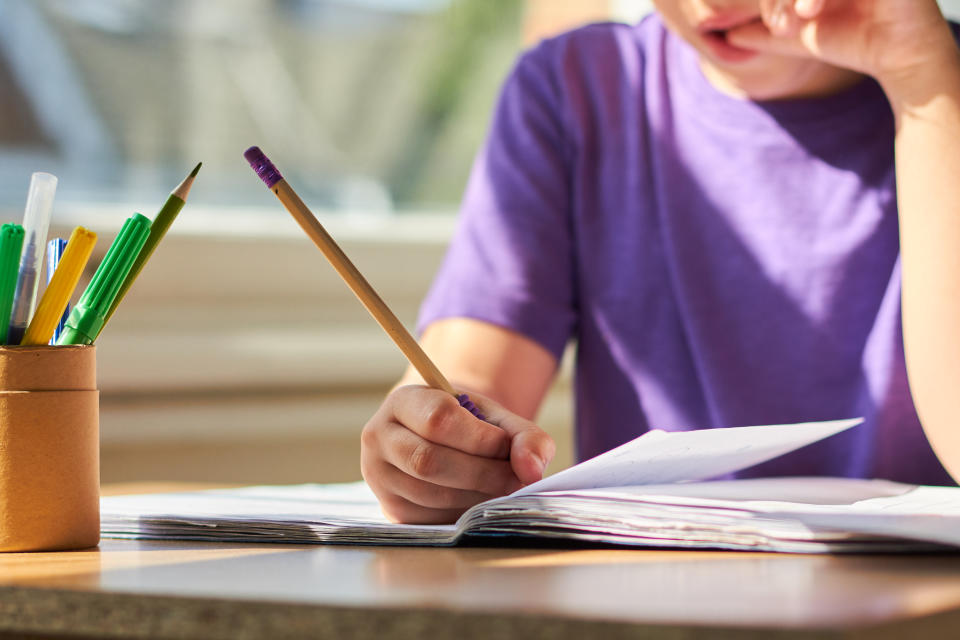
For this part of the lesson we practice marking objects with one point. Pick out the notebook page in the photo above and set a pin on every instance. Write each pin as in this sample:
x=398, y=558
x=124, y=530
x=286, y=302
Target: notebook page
x=924, y=513
x=800, y=514
x=750, y=492
x=343, y=502
x=660, y=457
x=346, y=512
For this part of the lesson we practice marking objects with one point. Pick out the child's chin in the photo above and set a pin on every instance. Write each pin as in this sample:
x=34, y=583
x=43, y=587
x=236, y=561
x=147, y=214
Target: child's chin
x=760, y=78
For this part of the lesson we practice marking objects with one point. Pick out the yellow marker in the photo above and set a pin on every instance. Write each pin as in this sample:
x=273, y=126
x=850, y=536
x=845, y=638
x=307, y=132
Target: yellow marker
x=64, y=281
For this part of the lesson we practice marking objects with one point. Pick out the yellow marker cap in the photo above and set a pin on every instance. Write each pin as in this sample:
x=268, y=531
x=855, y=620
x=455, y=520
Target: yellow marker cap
x=58, y=293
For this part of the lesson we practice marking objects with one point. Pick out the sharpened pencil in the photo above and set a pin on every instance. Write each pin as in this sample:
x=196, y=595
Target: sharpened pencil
x=165, y=217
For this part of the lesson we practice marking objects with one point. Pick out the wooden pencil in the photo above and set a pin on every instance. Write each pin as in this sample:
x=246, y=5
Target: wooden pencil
x=158, y=229
x=352, y=276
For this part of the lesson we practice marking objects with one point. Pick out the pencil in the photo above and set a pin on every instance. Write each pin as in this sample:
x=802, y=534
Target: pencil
x=352, y=276
x=64, y=281
x=165, y=217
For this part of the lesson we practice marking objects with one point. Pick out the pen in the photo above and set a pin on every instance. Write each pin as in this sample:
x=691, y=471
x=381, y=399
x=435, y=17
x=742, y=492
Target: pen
x=86, y=319
x=11, y=242
x=163, y=220
x=64, y=281
x=36, y=221
x=352, y=276
x=55, y=249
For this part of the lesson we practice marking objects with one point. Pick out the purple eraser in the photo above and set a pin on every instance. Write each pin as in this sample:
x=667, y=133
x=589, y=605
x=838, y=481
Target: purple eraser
x=467, y=404
x=262, y=165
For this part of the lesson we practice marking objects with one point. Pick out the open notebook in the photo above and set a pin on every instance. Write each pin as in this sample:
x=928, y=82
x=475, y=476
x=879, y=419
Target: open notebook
x=648, y=492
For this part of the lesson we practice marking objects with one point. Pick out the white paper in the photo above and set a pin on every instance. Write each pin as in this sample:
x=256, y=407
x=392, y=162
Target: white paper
x=815, y=514
x=628, y=496
x=922, y=513
x=347, y=512
x=660, y=457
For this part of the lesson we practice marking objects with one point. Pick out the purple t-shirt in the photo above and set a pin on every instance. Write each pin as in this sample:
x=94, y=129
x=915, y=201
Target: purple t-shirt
x=719, y=262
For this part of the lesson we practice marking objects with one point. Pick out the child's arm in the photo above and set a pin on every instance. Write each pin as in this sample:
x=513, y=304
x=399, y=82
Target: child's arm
x=908, y=47
x=427, y=459
x=928, y=194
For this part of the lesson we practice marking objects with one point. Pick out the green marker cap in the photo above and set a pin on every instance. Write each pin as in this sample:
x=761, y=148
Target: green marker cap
x=88, y=316
x=11, y=244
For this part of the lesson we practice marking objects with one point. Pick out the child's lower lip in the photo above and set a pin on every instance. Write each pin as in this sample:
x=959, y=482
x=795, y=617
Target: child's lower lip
x=725, y=51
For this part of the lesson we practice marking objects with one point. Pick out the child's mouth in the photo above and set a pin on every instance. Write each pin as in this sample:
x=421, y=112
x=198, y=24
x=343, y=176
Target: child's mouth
x=716, y=40
x=719, y=34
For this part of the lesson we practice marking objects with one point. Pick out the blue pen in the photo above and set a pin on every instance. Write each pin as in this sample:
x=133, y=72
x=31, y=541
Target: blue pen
x=55, y=249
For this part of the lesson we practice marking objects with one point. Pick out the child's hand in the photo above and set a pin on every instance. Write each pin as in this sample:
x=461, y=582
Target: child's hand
x=886, y=39
x=428, y=459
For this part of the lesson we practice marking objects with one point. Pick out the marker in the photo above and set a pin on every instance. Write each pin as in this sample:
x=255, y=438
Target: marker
x=87, y=318
x=352, y=276
x=55, y=249
x=36, y=221
x=57, y=296
x=166, y=216
x=11, y=242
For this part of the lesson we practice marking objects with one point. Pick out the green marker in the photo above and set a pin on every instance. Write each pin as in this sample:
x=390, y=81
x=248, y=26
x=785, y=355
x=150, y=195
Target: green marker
x=165, y=217
x=87, y=318
x=11, y=243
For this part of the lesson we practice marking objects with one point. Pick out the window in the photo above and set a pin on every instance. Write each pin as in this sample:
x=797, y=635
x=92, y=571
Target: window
x=365, y=104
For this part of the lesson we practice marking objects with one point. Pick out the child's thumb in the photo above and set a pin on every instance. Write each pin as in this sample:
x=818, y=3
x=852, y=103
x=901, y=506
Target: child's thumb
x=531, y=450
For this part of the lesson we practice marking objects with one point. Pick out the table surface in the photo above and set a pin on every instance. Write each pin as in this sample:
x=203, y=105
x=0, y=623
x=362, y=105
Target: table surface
x=148, y=589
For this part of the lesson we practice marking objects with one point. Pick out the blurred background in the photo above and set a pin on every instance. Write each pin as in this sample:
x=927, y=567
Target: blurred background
x=239, y=356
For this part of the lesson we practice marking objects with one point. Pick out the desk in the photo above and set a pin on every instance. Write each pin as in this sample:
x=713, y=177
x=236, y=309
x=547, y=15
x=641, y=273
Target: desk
x=133, y=589
x=144, y=589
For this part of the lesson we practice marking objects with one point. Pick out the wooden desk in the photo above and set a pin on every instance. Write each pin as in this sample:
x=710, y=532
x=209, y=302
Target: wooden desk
x=128, y=589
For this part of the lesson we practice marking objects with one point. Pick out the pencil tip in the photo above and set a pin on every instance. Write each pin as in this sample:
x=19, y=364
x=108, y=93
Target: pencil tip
x=183, y=189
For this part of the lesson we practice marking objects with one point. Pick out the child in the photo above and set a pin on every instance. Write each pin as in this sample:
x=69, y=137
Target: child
x=709, y=204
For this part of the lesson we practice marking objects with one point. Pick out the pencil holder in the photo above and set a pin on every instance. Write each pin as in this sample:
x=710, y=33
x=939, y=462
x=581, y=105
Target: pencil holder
x=49, y=448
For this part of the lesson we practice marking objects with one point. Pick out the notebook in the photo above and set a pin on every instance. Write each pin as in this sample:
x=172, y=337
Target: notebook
x=655, y=491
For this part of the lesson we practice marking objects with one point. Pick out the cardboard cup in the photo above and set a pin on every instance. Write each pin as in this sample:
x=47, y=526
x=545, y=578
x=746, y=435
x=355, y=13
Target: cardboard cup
x=49, y=448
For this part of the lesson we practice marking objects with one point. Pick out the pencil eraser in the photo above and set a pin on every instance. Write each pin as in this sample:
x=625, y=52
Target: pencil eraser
x=468, y=404
x=263, y=167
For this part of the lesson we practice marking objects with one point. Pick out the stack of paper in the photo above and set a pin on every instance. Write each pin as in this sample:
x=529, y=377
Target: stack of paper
x=767, y=514
x=644, y=493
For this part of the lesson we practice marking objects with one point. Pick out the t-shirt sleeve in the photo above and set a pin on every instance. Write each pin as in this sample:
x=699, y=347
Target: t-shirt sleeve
x=510, y=262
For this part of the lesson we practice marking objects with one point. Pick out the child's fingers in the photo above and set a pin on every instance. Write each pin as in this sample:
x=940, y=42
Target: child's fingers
x=398, y=509
x=429, y=495
x=778, y=16
x=785, y=17
x=531, y=448
x=438, y=417
x=788, y=17
x=759, y=37
x=809, y=9
x=532, y=451
x=437, y=464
